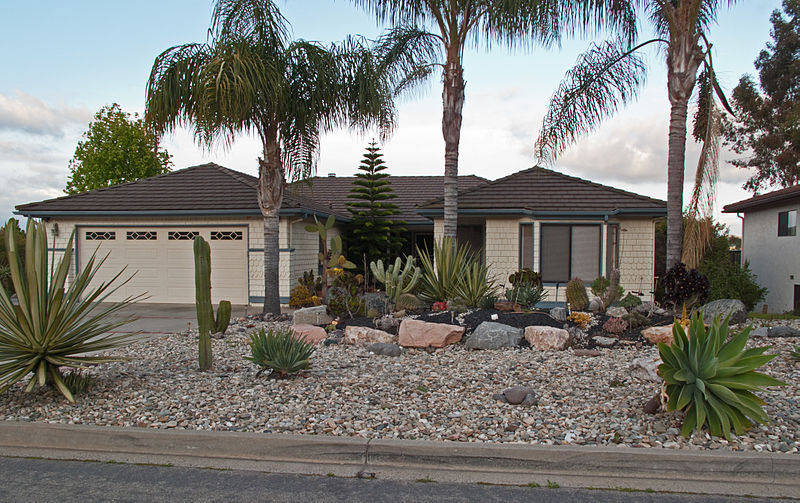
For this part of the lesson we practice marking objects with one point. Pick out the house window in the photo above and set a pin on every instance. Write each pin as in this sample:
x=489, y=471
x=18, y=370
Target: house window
x=100, y=235
x=526, y=246
x=569, y=251
x=787, y=223
x=226, y=236
x=142, y=235
x=182, y=235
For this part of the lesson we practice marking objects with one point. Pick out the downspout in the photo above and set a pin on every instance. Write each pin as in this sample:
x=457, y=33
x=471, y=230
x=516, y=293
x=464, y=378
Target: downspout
x=741, y=254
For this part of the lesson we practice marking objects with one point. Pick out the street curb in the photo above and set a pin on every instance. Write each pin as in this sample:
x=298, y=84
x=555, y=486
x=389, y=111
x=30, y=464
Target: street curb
x=723, y=473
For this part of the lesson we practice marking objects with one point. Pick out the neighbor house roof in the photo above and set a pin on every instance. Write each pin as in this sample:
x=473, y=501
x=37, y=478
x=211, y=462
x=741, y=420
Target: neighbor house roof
x=542, y=192
x=204, y=189
x=332, y=192
x=767, y=199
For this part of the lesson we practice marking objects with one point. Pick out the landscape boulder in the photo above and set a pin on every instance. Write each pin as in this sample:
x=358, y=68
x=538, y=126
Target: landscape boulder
x=316, y=315
x=604, y=342
x=309, y=333
x=616, y=312
x=558, y=314
x=595, y=305
x=645, y=369
x=493, y=335
x=423, y=334
x=547, y=338
x=380, y=348
x=783, y=331
x=724, y=307
x=518, y=395
x=658, y=334
x=365, y=335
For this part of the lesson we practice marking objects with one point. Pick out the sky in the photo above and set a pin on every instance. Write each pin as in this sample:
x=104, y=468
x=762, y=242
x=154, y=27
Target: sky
x=63, y=61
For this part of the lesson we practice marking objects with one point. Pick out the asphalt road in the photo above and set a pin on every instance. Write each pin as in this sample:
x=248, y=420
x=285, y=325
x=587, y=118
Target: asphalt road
x=42, y=480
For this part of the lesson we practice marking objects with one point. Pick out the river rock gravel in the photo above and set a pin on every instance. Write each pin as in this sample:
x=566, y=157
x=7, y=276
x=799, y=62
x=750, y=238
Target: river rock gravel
x=443, y=394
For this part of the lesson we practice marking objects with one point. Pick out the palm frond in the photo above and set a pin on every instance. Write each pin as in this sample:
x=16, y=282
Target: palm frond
x=407, y=57
x=259, y=21
x=605, y=77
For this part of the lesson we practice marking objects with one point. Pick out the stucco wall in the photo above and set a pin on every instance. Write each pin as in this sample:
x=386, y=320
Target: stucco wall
x=775, y=260
x=637, y=255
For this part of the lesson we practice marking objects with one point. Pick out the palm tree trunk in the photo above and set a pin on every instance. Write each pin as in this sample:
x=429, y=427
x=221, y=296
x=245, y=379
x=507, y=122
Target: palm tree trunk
x=270, y=197
x=675, y=167
x=684, y=57
x=453, y=103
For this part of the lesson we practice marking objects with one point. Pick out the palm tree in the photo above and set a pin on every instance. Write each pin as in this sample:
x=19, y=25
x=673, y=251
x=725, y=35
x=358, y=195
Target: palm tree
x=485, y=22
x=250, y=78
x=610, y=74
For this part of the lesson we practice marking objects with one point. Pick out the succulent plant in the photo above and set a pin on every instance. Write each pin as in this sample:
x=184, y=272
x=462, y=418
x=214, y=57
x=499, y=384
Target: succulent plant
x=576, y=295
x=397, y=280
x=615, y=326
x=331, y=258
x=280, y=351
x=712, y=379
x=685, y=287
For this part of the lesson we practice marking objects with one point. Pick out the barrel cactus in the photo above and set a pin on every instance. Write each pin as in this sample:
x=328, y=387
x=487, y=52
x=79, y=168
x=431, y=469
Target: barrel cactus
x=576, y=295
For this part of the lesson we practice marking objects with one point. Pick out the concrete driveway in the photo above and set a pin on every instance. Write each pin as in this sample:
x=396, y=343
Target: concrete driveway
x=154, y=320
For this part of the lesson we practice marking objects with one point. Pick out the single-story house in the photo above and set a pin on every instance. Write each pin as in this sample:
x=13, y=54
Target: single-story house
x=770, y=242
x=559, y=225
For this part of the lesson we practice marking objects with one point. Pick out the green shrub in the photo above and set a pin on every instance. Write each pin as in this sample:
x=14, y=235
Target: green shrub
x=345, y=296
x=280, y=351
x=475, y=284
x=300, y=297
x=576, y=295
x=729, y=280
x=630, y=301
x=608, y=290
x=684, y=287
x=54, y=326
x=713, y=380
x=442, y=272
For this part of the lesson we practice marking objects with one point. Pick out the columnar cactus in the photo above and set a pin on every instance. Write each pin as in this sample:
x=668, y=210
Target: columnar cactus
x=576, y=295
x=397, y=280
x=202, y=291
x=223, y=316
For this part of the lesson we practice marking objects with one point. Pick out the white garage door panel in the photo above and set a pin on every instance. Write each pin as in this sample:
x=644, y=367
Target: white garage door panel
x=165, y=267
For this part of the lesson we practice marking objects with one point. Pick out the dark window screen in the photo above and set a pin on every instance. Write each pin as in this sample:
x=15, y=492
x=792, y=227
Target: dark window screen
x=555, y=242
x=526, y=246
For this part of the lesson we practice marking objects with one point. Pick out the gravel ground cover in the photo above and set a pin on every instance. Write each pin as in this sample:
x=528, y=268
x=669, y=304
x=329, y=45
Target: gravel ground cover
x=437, y=395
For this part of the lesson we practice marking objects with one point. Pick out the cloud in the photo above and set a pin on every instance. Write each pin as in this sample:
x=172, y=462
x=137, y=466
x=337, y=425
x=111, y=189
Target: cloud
x=23, y=113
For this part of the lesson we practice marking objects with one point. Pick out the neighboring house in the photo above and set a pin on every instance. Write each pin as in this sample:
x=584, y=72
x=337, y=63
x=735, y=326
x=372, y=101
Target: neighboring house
x=770, y=242
x=560, y=225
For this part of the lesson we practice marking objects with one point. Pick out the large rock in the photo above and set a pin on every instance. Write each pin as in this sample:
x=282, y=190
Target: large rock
x=492, y=335
x=380, y=348
x=547, y=338
x=309, y=333
x=616, y=312
x=724, y=307
x=423, y=334
x=595, y=305
x=658, y=334
x=518, y=395
x=645, y=369
x=316, y=315
x=783, y=331
x=366, y=335
x=604, y=342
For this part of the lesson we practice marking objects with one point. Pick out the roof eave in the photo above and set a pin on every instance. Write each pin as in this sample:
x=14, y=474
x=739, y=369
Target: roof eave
x=143, y=213
x=642, y=212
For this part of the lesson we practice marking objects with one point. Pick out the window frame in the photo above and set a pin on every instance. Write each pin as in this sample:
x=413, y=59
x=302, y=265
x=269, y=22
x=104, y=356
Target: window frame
x=599, y=227
x=788, y=231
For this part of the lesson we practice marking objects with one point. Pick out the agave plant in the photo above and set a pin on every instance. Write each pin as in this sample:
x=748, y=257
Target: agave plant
x=280, y=351
x=713, y=379
x=442, y=272
x=54, y=326
x=475, y=284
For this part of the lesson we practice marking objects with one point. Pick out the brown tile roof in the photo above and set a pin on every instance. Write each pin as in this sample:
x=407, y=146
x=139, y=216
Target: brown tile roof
x=764, y=199
x=332, y=192
x=543, y=191
x=207, y=188
x=210, y=188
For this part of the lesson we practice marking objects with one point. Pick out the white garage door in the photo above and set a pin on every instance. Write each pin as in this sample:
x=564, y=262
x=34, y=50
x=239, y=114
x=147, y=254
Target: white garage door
x=163, y=260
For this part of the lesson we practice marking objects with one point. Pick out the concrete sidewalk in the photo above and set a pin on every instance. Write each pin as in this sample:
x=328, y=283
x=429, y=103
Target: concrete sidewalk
x=739, y=474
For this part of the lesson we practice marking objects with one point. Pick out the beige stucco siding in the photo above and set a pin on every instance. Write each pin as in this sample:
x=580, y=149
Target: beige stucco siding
x=637, y=255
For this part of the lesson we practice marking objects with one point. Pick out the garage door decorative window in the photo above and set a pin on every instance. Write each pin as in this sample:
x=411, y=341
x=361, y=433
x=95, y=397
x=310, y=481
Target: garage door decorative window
x=142, y=235
x=226, y=235
x=100, y=235
x=182, y=235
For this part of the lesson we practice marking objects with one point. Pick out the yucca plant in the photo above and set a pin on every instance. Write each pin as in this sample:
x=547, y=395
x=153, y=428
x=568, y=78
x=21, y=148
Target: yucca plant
x=442, y=272
x=54, y=326
x=280, y=351
x=475, y=284
x=712, y=379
